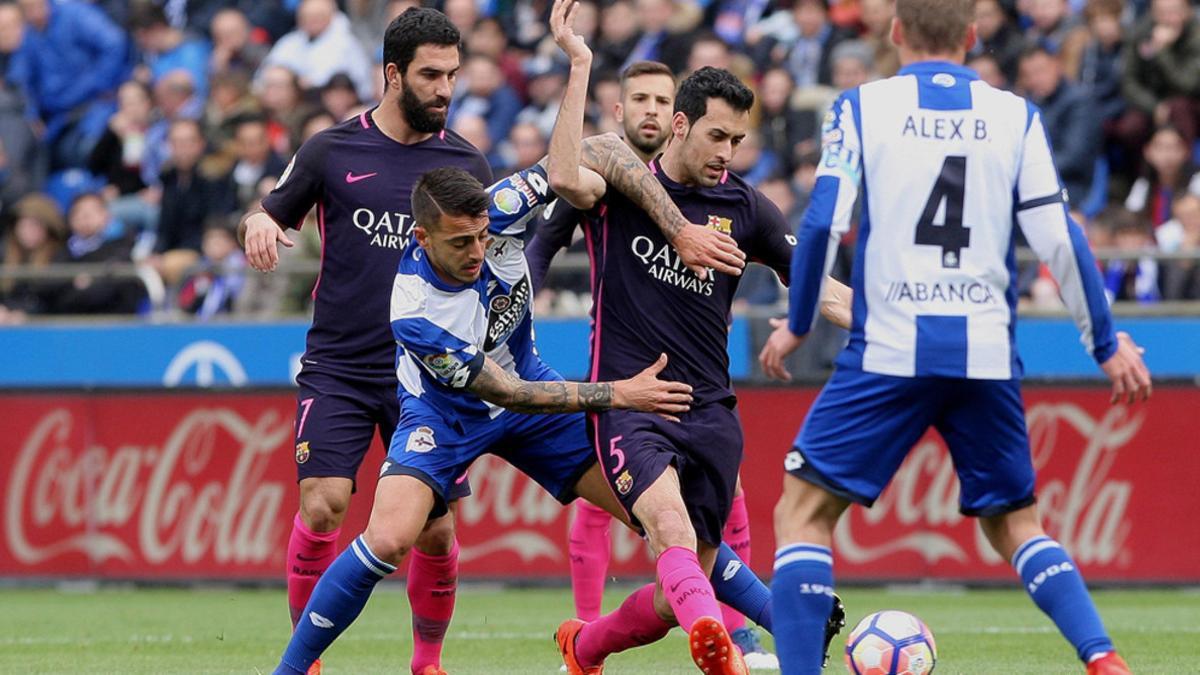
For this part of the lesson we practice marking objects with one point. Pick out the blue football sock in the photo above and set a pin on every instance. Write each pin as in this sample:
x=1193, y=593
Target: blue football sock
x=739, y=587
x=802, y=590
x=1053, y=581
x=336, y=601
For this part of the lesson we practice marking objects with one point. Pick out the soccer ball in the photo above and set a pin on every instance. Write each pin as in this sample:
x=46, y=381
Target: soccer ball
x=890, y=643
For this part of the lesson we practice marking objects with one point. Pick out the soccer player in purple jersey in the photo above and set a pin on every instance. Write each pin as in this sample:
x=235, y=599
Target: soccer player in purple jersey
x=359, y=174
x=645, y=302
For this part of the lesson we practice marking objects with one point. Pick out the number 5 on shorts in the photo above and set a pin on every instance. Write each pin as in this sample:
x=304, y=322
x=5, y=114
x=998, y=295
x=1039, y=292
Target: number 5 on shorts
x=614, y=451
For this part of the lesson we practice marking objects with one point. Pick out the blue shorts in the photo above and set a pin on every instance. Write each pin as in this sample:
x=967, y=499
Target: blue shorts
x=337, y=416
x=862, y=426
x=551, y=449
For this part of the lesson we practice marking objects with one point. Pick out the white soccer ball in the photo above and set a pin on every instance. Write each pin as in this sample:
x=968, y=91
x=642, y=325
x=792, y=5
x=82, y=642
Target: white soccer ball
x=890, y=642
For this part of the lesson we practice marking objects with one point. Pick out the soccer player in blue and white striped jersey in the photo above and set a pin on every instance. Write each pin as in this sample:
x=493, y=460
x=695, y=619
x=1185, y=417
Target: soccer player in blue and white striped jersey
x=945, y=168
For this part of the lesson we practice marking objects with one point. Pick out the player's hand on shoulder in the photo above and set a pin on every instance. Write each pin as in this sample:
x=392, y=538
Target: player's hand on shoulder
x=261, y=235
x=647, y=393
x=562, y=26
x=702, y=248
x=1128, y=373
x=780, y=344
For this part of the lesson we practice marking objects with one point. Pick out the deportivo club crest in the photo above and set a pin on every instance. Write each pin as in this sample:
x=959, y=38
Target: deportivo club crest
x=722, y=225
x=302, y=452
x=624, y=482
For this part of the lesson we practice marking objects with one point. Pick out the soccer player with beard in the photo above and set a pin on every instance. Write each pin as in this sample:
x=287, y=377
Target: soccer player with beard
x=359, y=174
x=675, y=480
x=647, y=99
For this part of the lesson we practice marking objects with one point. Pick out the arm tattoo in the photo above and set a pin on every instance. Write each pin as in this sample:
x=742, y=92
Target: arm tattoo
x=495, y=385
x=608, y=156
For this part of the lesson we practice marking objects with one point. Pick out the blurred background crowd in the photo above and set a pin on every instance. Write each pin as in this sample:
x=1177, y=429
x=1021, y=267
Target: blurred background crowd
x=134, y=133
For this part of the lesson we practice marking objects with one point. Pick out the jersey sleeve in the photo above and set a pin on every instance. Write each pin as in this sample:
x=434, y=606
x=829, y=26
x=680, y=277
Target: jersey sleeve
x=447, y=358
x=300, y=186
x=1041, y=212
x=516, y=200
x=773, y=243
x=554, y=232
x=827, y=217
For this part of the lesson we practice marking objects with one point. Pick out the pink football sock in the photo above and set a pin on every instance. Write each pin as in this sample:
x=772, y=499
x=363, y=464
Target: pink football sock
x=737, y=535
x=686, y=586
x=635, y=623
x=432, y=584
x=309, y=554
x=589, y=548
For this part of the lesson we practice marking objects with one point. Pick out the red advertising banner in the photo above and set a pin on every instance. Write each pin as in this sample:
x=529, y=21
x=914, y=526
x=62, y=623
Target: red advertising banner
x=171, y=486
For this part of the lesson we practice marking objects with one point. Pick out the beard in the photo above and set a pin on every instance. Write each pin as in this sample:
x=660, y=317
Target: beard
x=647, y=146
x=416, y=112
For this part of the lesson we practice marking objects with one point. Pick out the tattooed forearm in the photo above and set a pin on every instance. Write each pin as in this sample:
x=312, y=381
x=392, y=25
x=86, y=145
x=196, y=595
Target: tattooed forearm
x=608, y=156
x=495, y=385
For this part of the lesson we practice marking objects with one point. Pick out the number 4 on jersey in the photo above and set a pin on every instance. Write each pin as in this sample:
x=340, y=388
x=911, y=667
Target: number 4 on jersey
x=950, y=235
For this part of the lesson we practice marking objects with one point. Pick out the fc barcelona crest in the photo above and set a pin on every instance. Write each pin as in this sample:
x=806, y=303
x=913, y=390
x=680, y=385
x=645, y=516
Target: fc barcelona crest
x=624, y=482
x=722, y=225
x=302, y=452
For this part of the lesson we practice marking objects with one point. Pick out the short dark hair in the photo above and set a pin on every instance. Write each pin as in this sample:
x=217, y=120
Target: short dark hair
x=415, y=27
x=1035, y=50
x=449, y=190
x=709, y=82
x=639, y=68
x=146, y=15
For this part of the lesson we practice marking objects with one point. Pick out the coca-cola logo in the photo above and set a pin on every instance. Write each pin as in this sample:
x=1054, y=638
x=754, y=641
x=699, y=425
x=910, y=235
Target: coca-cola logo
x=200, y=495
x=1086, y=511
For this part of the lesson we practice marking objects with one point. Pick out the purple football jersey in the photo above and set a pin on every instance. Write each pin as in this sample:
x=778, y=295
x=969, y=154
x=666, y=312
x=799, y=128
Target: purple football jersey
x=646, y=302
x=361, y=182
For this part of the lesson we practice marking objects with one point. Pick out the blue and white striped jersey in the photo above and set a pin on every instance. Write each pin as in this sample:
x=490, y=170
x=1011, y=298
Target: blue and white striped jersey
x=444, y=331
x=946, y=166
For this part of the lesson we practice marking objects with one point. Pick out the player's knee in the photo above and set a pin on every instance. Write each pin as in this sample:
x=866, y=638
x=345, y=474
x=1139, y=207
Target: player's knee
x=323, y=510
x=1007, y=531
x=804, y=515
x=668, y=527
x=438, y=536
x=388, y=543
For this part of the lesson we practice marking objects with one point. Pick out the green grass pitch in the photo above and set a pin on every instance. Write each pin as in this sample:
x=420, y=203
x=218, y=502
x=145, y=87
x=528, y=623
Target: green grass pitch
x=508, y=631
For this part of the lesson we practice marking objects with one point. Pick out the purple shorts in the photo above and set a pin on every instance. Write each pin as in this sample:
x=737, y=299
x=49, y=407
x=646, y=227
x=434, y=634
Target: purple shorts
x=336, y=418
x=705, y=447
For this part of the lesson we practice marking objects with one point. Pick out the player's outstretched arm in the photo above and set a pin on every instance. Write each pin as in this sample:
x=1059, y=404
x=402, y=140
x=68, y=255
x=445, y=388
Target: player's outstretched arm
x=579, y=186
x=644, y=392
x=258, y=232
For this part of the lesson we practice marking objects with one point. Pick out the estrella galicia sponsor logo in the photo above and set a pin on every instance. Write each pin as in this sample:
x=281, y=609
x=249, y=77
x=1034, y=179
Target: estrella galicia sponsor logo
x=663, y=263
x=505, y=311
x=973, y=292
x=387, y=229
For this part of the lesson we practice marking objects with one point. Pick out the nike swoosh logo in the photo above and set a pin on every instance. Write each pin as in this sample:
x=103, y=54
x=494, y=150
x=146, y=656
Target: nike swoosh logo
x=305, y=558
x=677, y=585
x=351, y=178
x=739, y=530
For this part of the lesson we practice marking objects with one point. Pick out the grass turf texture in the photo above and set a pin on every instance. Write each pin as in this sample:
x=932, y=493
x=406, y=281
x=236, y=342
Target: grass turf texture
x=509, y=631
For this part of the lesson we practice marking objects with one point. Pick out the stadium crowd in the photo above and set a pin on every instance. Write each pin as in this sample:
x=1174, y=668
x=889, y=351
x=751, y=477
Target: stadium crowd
x=138, y=131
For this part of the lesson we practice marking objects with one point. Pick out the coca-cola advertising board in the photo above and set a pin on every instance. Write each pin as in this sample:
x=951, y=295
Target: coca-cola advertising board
x=170, y=486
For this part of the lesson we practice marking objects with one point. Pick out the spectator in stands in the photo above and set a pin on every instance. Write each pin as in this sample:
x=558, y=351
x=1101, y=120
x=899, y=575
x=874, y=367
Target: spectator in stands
x=1181, y=278
x=1051, y=24
x=119, y=157
x=802, y=40
x=462, y=13
x=852, y=64
x=321, y=46
x=282, y=101
x=12, y=26
x=988, y=69
x=1068, y=117
x=232, y=46
x=484, y=93
x=339, y=97
x=71, y=60
x=785, y=132
x=752, y=162
x=212, y=286
x=255, y=161
x=708, y=50
x=488, y=39
x=1169, y=173
x=877, y=18
x=998, y=37
x=229, y=101
x=1161, y=82
x=313, y=123
x=1094, y=60
x=547, y=79
x=189, y=199
x=35, y=238
x=175, y=98
x=618, y=35
x=526, y=145
x=656, y=42
x=475, y=130
x=86, y=293
x=1135, y=279
x=165, y=49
